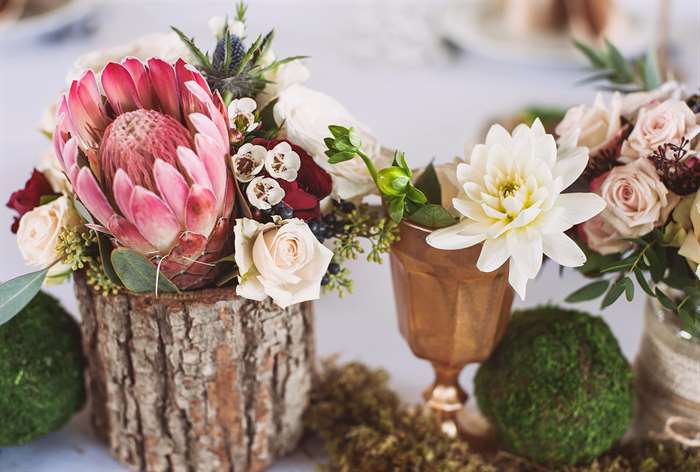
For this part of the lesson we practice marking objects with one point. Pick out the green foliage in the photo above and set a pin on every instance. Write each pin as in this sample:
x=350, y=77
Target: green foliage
x=340, y=283
x=621, y=74
x=365, y=427
x=138, y=274
x=654, y=265
x=366, y=222
x=557, y=389
x=41, y=371
x=17, y=292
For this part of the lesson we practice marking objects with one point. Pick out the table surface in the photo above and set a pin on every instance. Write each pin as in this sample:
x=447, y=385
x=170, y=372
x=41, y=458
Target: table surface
x=417, y=100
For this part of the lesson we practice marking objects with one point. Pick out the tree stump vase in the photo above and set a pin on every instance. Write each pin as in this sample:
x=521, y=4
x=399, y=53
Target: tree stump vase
x=199, y=381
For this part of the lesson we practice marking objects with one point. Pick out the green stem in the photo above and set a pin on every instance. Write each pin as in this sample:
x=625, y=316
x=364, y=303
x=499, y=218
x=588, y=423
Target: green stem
x=370, y=166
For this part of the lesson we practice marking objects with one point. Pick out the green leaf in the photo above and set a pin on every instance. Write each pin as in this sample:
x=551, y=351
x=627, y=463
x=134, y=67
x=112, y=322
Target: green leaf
x=664, y=299
x=338, y=131
x=249, y=54
x=642, y=281
x=432, y=216
x=82, y=211
x=354, y=138
x=629, y=288
x=105, y=249
x=619, y=64
x=416, y=195
x=592, y=55
x=400, y=160
x=16, y=293
x=396, y=209
x=138, y=273
x=588, y=292
x=429, y=184
x=651, y=76
x=614, y=293
x=202, y=57
x=44, y=199
x=340, y=157
x=267, y=117
x=342, y=143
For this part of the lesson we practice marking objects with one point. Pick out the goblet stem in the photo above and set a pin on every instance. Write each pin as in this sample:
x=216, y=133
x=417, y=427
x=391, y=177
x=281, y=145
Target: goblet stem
x=446, y=397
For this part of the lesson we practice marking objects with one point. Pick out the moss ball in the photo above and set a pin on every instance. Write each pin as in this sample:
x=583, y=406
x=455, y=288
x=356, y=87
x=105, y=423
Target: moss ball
x=557, y=389
x=41, y=371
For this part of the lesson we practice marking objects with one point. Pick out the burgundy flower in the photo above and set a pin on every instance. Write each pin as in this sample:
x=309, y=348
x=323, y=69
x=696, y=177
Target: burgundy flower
x=311, y=186
x=28, y=198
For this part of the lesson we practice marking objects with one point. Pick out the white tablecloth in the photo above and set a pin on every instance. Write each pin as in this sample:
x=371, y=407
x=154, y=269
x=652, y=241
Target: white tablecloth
x=429, y=110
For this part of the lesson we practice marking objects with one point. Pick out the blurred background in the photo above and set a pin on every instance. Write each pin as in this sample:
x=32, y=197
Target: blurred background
x=427, y=76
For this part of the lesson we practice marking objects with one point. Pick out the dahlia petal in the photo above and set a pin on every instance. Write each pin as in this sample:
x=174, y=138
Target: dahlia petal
x=91, y=195
x=128, y=235
x=155, y=220
x=172, y=186
x=215, y=164
x=141, y=79
x=203, y=124
x=120, y=88
x=201, y=210
x=194, y=167
x=450, y=237
x=497, y=134
x=494, y=253
x=563, y=250
x=164, y=82
x=571, y=168
x=123, y=189
x=577, y=208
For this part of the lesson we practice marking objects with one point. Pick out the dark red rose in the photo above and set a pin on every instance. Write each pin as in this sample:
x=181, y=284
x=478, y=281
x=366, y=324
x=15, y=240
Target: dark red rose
x=312, y=185
x=25, y=200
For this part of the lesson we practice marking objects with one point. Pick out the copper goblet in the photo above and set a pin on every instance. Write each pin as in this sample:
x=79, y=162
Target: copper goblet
x=451, y=314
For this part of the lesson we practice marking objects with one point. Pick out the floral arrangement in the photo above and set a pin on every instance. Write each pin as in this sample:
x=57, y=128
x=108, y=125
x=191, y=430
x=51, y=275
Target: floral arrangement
x=508, y=196
x=644, y=140
x=174, y=169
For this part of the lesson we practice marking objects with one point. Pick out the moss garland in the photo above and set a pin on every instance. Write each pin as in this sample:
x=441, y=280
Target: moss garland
x=364, y=426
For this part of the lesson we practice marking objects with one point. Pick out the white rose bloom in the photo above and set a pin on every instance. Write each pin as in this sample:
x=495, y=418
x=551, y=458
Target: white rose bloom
x=281, y=78
x=53, y=171
x=594, y=125
x=632, y=102
x=282, y=162
x=306, y=115
x=216, y=26
x=264, y=193
x=513, y=203
x=284, y=262
x=167, y=46
x=658, y=124
x=248, y=161
x=38, y=232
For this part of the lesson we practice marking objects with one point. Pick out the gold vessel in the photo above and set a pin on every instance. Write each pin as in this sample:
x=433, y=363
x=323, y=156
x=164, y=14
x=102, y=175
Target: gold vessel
x=451, y=314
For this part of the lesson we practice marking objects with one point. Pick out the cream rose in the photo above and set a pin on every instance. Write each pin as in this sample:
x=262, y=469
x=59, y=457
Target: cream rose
x=657, y=124
x=602, y=237
x=637, y=201
x=38, y=232
x=306, y=115
x=593, y=126
x=633, y=102
x=285, y=262
x=280, y=78
x=167, y=46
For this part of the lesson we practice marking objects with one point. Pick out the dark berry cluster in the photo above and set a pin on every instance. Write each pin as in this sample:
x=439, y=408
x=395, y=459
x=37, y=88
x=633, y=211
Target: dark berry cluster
x=678, y=171
x=331, y=225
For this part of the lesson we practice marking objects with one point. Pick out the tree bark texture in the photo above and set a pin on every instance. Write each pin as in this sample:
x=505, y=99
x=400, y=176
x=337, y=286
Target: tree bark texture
x=200, y=381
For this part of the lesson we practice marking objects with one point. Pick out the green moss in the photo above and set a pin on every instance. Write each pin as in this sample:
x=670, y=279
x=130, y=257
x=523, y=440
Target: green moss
x=557, y=389
x=41, y=371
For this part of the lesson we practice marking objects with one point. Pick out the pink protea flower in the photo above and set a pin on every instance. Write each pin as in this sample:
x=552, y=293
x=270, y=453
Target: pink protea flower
x=147, y=157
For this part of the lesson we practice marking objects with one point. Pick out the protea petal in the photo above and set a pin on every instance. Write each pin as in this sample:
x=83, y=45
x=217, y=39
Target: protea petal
x=86, y=110
x=185, y=73
x=155, y=220
x=215, y=164
x=172, y=186
x=128, y=235
x=92, y=196
x=194, y=167
x=141, y=80
x=203, y=124
x=214, y=114
x=164, y=83
x=123, y=189
x=120, y=88
x=201, y=210
x=70, y=158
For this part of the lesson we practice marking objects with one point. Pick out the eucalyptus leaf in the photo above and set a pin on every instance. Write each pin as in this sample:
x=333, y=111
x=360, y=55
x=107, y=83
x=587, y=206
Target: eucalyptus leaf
x=664, y=299
x=614, y=293
x=432, y=216
x=588, y=292
x=105, y=247
x=429, y=184
x=629, y=288
x=16, y=293
x=138, y=274
x=643, y=283
x=82, y=211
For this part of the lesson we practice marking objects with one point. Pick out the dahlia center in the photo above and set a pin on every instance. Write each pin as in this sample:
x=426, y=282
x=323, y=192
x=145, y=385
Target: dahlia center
x=133, y=142
x=508, y=188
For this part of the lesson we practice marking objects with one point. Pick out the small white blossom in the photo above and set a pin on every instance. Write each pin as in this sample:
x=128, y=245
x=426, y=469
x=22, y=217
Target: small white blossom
x=217, y=23
x=248, y=162
x=241, y=114
x=282, y=162
x=264, y=193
